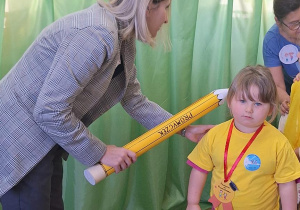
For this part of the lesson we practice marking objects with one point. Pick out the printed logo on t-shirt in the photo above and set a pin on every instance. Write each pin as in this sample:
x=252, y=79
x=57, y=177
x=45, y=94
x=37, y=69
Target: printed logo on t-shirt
x=288, y=54
x=252, y=162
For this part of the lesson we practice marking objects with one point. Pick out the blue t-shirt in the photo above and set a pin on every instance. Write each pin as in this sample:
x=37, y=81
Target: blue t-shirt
x=273, y=43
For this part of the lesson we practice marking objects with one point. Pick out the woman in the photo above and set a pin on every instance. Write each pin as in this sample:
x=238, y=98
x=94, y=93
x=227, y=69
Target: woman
x=280, y=48
x=280, y=51
x=77, y=69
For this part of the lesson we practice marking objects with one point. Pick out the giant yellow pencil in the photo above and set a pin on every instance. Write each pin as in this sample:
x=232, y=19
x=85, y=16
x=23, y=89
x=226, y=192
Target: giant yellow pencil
x=162, y=132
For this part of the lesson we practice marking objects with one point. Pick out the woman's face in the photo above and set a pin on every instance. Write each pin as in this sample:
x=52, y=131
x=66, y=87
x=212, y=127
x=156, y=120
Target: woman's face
x=289, y=26
x=157, y=15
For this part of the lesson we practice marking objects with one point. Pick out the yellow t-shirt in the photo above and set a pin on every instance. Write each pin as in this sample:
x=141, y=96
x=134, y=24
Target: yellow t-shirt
x=269, y=160
x=292, y=129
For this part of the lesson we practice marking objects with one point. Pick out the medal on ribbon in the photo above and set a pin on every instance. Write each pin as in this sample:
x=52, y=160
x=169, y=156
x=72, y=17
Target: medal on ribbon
x=223, y=194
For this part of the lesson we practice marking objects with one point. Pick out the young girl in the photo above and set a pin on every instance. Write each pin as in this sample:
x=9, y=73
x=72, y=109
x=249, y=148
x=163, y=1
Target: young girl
x=252, y=163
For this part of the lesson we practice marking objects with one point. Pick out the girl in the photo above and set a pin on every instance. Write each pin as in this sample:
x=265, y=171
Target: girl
x=252, y=163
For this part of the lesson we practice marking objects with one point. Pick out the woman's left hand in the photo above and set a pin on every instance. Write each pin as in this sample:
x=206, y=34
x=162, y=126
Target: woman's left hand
x=297, y=78
x=284, y=107
x=196, y=132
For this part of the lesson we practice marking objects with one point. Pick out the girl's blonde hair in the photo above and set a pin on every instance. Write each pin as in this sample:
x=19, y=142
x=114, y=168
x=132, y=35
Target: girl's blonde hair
x=260, y=77
x=132, y=13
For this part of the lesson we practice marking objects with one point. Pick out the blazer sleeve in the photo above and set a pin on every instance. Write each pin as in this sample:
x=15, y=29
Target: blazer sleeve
x=146, y=112
x=78, y=58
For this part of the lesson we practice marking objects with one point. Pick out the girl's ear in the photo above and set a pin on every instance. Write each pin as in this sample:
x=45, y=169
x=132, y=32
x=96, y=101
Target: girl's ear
x=228, y=104
x=229, y=107
x=271, y=110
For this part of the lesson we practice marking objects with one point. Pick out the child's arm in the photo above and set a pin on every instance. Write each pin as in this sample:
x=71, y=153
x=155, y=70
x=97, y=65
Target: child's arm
x=288, y=195
x=196, y=185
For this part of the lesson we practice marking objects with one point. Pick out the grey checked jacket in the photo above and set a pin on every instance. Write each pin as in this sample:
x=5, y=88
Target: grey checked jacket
x=63, y=83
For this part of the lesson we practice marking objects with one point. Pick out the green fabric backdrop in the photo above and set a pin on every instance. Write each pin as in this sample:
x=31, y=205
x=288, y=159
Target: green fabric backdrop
x=212, y=40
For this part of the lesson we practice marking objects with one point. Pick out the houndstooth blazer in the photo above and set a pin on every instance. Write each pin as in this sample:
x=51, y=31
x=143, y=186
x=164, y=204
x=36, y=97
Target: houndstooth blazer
x=63, y=83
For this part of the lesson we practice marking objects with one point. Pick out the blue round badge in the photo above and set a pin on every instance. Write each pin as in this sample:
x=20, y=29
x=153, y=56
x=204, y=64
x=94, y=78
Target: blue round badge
x=252, y=162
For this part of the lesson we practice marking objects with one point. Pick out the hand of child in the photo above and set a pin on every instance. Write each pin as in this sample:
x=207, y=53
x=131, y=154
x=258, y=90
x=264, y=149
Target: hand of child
x=193, y=207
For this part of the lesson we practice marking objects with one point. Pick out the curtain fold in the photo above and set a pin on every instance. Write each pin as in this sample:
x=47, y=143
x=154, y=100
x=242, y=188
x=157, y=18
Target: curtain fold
x=211, y=41
x=2, y=26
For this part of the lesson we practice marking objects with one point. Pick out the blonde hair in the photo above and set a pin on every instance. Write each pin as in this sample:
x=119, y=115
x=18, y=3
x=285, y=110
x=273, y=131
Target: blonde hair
x=132, y=13
x=260, y=77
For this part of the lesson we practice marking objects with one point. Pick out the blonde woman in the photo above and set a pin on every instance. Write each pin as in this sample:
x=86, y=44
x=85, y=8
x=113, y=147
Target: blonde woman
x=76, y=69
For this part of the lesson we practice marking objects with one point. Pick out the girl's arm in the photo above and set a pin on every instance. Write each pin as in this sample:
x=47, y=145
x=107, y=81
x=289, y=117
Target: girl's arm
x=196, y=185
x=288, y=195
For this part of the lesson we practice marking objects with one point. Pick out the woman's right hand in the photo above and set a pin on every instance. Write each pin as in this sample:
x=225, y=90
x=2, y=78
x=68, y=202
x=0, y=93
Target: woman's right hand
x=118, y=157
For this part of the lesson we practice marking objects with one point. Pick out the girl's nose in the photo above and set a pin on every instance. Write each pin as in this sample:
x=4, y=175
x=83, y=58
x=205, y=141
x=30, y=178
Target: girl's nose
x=249, y=108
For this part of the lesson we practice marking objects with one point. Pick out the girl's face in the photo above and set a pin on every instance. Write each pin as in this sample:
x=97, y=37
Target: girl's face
x=157, y=15
x=288, y=27
x=249, y=115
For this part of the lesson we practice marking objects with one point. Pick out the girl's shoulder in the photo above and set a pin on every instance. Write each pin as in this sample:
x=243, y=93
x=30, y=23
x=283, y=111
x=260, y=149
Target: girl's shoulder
x=220, y=128
x=273, y=134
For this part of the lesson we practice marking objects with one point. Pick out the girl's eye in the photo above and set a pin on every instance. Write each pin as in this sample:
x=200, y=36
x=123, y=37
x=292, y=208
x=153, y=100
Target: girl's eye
x=257, y=104
x=242, y=100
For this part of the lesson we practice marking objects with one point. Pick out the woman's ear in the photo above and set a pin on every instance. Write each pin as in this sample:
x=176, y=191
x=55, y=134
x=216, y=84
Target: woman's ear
x=278, y=23
x=149, y=7
x=147, y=11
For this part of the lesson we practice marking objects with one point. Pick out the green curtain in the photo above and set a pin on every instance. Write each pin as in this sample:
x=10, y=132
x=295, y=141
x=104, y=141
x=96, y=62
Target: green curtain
x=2, y=21
x=211, y=41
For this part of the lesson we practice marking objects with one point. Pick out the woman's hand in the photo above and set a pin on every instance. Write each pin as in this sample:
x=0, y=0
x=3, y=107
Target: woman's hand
x=196, y=132
x=118, y=157
x=297, y=78
x=284, y=107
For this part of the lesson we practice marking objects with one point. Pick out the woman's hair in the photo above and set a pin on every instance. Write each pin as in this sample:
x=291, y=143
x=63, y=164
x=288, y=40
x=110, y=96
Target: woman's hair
x=132, y=13
x=260, y=77
x=283, y=7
